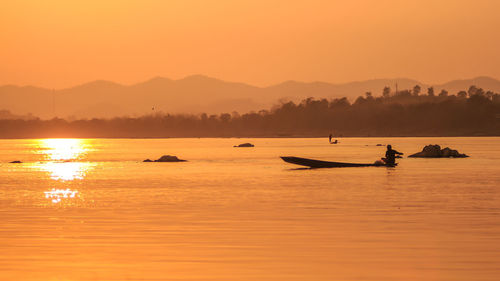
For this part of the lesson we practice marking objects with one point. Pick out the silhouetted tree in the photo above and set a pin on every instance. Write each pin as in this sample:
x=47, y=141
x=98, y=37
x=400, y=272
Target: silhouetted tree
x=416, y=90
x=472, y=90
x=443, y=93
x=360, y=100
x=430, y=91
x=386, y=92
x=225, y=117
x=480, y=92
x=462, y=94
x=489, y=94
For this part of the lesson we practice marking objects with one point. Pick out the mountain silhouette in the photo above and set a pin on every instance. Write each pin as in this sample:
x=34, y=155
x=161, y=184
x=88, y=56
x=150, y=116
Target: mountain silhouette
x=194, y=94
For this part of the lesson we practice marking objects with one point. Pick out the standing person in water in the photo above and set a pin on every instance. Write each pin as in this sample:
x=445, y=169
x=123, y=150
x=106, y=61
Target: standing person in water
x=390, y=156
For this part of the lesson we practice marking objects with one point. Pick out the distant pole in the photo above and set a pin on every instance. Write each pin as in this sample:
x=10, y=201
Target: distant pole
x=396, y=88
x=54, y=102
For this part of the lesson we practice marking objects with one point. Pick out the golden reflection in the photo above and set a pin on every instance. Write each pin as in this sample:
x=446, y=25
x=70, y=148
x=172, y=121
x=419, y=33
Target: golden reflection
x=66, y=171
x=63, y=149
x=57, y=195
x=62, y=158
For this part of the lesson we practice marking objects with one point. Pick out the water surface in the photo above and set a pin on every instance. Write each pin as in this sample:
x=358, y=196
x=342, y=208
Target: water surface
x=90, y=209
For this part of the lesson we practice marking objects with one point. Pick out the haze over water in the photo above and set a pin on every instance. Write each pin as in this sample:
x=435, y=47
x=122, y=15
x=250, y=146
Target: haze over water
x=90, y=209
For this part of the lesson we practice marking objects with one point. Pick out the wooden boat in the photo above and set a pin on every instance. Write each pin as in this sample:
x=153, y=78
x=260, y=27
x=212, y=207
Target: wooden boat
x=311, y=163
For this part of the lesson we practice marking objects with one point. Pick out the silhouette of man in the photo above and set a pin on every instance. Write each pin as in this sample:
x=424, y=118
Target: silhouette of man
x=390, y=155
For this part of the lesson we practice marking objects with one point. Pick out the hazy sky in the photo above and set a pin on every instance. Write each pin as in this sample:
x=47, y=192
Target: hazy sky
x=60, y=43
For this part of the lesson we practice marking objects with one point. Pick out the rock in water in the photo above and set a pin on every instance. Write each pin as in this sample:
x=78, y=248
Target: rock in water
x=435, y=151
x=247, y=144
x=432, y=151
x=447, y=152
x=169, y=158
x=16, y=162
x=166, y=158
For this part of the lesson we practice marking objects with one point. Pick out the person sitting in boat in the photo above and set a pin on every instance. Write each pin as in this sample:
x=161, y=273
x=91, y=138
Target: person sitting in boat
x=390, y=155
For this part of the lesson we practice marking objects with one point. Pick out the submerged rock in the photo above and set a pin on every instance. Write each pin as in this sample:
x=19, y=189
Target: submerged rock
x=435, y=151
x=16, y=162
x=166, y=158
x=247, y=144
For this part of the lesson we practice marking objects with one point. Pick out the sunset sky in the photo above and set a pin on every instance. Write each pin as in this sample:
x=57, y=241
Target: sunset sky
x=61, y=43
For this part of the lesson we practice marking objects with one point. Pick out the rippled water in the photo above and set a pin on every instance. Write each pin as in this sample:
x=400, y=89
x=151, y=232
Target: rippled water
x=92, y=210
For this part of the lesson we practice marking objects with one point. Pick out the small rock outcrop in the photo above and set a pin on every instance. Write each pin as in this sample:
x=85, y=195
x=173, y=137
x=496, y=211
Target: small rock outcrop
x=166, y=158
x=16, y=162
x=169, y=158
x=435, y=151
x=247, y=144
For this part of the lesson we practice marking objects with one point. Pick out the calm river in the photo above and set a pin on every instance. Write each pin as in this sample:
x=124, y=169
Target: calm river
x=90, y=209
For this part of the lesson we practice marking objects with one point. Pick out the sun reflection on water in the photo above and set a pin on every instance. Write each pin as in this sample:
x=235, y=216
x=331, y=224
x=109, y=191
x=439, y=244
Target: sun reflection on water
x=57, y=195
x=64, y=149
x=63, y=158
x=67, y=171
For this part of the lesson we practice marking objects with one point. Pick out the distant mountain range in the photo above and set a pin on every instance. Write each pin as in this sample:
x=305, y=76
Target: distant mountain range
x=194, y=94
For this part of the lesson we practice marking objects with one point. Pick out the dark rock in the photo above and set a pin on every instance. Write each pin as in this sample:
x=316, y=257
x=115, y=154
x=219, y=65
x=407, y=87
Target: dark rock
x=169, y=158
x=435, y=151
x=166, y=158
x=431, y=151
x=16, y=162
x=247, y=144
x=447, y=152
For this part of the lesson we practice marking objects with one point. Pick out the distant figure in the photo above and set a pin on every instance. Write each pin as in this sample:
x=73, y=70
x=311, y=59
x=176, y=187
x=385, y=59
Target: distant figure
x=330, y=140
x=390, y=156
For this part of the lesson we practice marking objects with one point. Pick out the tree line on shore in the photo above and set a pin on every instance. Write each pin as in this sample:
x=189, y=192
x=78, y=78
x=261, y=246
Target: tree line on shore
x=410, y=112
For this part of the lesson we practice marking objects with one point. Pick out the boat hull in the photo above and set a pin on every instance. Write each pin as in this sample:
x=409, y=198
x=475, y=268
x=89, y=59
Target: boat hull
x=312, y=163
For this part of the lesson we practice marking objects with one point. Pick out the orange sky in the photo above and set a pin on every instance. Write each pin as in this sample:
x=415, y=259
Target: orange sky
x=60, y=43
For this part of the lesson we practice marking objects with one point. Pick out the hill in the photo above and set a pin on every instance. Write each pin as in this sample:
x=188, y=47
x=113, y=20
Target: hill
x=192, y=94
